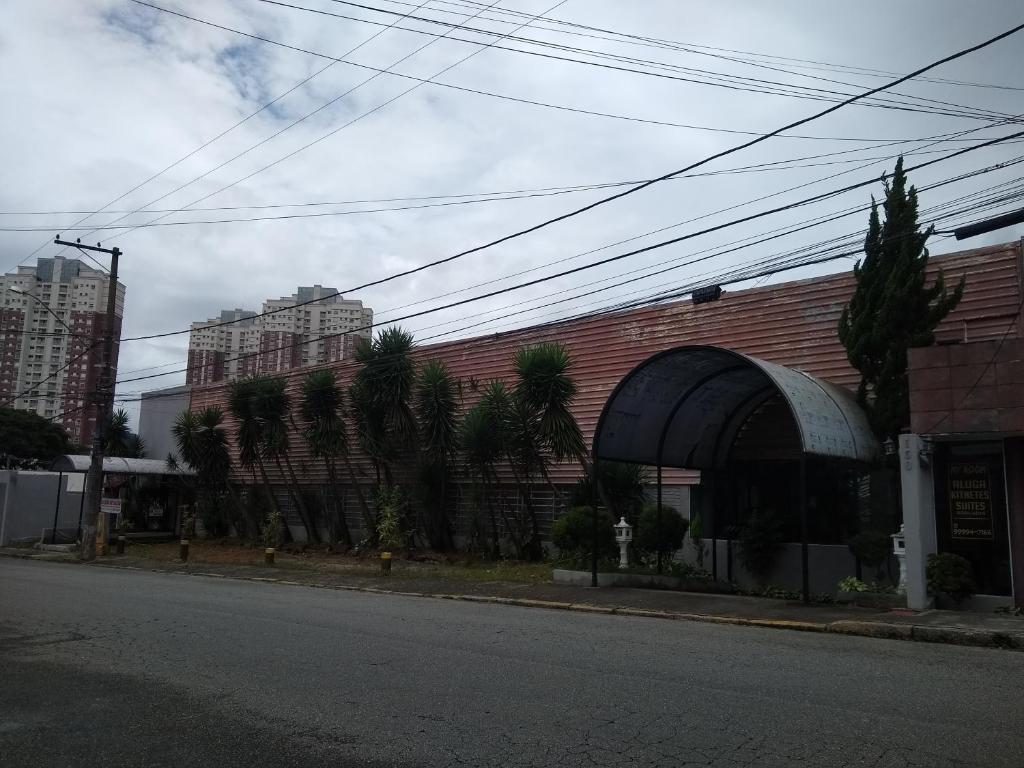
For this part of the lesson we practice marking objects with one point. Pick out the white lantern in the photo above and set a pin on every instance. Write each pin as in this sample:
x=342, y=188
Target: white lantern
x=623, y=535
x=899, y=548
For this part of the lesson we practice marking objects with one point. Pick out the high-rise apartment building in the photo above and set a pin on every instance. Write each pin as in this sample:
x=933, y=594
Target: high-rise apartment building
x=44, y=366
x=296, y=334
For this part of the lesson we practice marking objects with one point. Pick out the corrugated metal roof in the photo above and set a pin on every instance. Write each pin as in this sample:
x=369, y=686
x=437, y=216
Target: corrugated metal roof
x=791, y=324
x=116, y=465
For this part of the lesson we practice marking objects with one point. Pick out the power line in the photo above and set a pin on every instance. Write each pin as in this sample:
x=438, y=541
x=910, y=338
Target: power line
x=779, y=165
x=722, y=80
x=663, y=228
x=728, y=278
x=491, y=94
x=564, y=273
x=750, y=240
x=335, y=130
x=222, y=134
x=698, y=49
x=946, y=138
x=279, y=132
x=593, y=205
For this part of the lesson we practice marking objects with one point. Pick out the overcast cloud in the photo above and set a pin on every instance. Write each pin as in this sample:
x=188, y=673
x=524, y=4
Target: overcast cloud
x=98, y=95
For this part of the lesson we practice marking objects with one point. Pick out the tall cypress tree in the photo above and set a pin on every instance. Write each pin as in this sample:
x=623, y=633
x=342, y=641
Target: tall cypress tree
x=892, y=309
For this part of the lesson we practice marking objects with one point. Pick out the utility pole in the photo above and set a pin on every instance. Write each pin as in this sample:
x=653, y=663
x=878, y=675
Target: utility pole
x=103, y=397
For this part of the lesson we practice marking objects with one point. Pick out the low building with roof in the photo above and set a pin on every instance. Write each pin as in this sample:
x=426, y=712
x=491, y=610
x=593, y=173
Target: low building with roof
x=791, y=325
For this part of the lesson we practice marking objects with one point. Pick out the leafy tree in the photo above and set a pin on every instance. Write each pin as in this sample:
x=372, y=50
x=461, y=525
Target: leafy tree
x=435, y=408
x=573, y=534
x=872, y=548
x=28, y=437
x=892, y=309
x=665, y=536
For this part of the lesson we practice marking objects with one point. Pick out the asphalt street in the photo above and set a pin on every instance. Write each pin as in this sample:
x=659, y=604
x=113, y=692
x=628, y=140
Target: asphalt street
x=105, y=667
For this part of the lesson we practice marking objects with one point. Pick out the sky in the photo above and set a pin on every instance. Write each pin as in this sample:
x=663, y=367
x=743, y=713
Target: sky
x=107, y=102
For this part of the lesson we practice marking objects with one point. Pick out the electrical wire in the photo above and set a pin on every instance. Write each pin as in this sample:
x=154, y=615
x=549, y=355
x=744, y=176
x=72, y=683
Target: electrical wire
x=563, y=273
x=718, y=79
x=420, y=268
x=569, y=28
x=771, y=166
x=224, y=133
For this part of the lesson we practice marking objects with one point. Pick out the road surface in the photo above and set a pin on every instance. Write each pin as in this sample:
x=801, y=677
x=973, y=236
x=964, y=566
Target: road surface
x=105, y=667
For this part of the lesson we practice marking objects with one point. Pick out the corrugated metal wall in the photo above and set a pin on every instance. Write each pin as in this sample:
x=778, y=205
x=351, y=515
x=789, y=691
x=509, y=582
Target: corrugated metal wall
x=793, y=324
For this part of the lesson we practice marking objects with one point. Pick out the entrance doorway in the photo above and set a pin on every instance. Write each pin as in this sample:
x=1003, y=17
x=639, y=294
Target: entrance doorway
x=970, y=511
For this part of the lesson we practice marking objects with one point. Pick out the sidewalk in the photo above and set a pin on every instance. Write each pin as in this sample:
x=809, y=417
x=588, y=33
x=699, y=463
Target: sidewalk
x=977, y=629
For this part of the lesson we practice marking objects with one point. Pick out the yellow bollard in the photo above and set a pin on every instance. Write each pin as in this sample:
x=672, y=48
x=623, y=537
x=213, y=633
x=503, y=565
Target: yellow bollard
x=385, y=563
x=268, y=556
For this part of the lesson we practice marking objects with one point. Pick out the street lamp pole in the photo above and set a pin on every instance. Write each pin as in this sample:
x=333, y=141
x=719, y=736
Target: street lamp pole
x=104, y=401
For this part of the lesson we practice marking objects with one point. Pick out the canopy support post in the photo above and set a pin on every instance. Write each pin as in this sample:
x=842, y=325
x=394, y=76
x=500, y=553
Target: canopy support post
x=804, y=566
x=594, y=524
x=56, y=509
x=658, y=519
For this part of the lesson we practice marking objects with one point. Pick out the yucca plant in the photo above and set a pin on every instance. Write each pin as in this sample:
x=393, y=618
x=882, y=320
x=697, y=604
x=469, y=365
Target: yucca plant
x=326, y=433
x=435, y=408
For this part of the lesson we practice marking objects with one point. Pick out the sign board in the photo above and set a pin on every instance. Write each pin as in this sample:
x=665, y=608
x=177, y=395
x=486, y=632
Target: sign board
x=970, y=500
x=76, y=483
x=110, y=506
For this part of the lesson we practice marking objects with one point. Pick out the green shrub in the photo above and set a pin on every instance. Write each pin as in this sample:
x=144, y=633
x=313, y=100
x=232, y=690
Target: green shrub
x=760, y=541
x=573, y=533
x=951, y=575
x=872, y=548
x=390, y=508
x=852, y=584
x=649, y=537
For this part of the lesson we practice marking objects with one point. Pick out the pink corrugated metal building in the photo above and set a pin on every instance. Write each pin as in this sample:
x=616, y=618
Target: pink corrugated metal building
x=791, y=324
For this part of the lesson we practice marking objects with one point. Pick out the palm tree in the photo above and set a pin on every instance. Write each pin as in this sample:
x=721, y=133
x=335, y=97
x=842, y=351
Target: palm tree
x=242, y=400
x=533, y=425
x=513, y=437
x=120, y=440
x=273, y=406
x=435, y=406
x=481, y=447
x=202, y=444
x=326, y=434
x=380, y=395
x=544, y=393
x=546, y=390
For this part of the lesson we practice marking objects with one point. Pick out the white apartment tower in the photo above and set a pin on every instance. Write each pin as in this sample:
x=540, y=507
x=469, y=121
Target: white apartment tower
x=313, y=325
x=44, y=366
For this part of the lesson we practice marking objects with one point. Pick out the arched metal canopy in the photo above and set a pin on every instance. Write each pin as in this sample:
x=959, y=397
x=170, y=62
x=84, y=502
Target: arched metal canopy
x=684, y=407
x=117, y=465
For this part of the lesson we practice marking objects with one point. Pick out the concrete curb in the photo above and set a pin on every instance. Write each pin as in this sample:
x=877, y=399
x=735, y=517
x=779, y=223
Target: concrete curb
x=965, y=636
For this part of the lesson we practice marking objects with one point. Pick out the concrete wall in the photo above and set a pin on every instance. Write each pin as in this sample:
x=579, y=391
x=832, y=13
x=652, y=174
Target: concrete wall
x=27, y=504
x=827, y=565
x=156, y=417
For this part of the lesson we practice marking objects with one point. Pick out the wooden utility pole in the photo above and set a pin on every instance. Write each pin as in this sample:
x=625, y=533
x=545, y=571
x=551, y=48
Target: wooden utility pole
x=103, y=398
